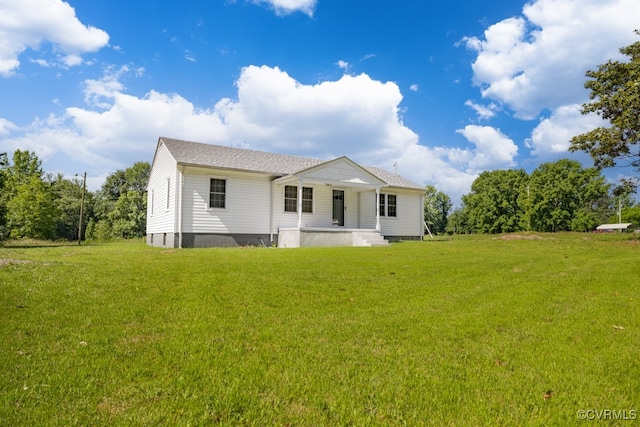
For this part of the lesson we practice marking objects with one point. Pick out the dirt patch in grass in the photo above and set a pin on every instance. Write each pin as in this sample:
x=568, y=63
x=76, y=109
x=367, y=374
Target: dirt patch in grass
x=9, y=261
x=520, y=237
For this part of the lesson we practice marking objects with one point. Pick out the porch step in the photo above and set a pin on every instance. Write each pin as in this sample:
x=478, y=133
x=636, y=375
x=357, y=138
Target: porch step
x=368, y=238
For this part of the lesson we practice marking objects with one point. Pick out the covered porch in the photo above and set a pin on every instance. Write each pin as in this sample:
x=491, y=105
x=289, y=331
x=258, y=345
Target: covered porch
x=332, y=204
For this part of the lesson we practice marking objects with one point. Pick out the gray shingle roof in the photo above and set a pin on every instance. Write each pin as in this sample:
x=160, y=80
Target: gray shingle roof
x=220, y=156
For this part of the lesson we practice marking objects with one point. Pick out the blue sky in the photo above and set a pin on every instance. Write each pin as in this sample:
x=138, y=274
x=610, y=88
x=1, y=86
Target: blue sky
x=443, y=90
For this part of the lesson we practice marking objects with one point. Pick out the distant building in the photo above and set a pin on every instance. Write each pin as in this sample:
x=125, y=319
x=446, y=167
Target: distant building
x=607, y=228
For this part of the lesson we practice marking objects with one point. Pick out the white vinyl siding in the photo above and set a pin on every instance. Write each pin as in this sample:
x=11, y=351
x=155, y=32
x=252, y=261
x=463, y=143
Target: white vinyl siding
x=408, y=221
x=247, y=203
x=161, y=193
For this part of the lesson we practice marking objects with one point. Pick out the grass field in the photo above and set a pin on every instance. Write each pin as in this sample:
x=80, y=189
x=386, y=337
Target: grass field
x=463, y=331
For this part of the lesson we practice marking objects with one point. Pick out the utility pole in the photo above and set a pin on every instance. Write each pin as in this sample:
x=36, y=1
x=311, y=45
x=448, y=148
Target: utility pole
x=620, y=210
x=84, y=187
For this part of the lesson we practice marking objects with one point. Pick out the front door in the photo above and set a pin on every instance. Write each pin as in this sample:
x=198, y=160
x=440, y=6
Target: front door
x=338, y=207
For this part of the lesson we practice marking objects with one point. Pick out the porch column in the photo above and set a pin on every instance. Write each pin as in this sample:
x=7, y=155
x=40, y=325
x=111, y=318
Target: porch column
x=299, y=204
x=377, y=209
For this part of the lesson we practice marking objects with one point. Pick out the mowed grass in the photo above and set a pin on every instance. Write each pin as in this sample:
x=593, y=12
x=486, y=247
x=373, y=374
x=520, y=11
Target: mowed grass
x=464, y=331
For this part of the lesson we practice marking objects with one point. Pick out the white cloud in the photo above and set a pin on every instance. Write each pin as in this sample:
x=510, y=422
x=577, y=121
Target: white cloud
x=286, y=7
x=538, y=60
x=493, y=149
x=6, y=127
x=343, y=64
x=27, y=24
x=437, y=166
x=484, y=113
x=414, y=88
x=553, y=134
x=354, y=116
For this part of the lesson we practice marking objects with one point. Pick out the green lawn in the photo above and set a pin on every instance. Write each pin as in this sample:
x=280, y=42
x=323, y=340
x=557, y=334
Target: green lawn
x=463, y=331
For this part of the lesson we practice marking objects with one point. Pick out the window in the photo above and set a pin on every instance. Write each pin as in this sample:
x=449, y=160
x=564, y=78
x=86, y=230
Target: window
x=168, y=192
x=388, y=205
x=291, y=199
x=307, y=200
x=391, y=205
x=217, y=193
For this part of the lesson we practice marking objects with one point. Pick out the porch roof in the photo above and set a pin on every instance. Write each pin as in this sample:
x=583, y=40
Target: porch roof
x=342, y=172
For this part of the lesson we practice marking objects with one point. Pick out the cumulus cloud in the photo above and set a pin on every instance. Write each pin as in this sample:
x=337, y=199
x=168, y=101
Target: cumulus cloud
x=494, y=150
x=286, y=7
x=6, y=127
x=354, y=116
x=553, y=134
x=483, y=112
x=26, y=24
x=537, y=61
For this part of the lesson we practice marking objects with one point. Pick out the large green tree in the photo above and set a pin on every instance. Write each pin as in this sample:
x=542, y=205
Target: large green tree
x=31, y=211
x=67, y=199
x=494, y=204
x=120, y=206
x=437, y=206
x=565, y=196
x=26, y=197
x=615, y=96
x=4, y=163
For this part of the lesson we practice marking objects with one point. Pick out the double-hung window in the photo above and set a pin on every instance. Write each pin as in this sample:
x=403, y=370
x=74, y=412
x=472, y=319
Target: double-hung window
x=388, y=205
x=291, y=199
x=217, y=193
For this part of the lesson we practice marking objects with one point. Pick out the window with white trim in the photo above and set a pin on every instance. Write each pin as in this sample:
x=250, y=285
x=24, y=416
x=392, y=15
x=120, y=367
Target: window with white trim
x=388, y=205
x=168, y=192
x=291, y=199
x=217, y=193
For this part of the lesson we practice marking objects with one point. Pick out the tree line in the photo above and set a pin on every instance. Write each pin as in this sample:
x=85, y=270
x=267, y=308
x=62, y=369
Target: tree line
x=562, y=196
x=39, y=205
x=557, y=196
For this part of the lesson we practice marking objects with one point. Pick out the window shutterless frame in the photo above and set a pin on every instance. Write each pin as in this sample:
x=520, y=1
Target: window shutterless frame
x=217, y=193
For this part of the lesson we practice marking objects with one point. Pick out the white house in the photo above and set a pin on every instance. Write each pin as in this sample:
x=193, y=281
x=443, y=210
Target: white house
x=202, y=195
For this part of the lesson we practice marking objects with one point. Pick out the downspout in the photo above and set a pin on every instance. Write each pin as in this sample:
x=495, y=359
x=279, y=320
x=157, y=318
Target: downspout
x=378, y=209
x=271, y=188
x=421, y=215
x=299, y=203
x=179, y=196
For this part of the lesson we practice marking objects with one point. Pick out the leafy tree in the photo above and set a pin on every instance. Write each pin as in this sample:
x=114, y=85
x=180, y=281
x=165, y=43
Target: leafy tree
x=615, y=95
x=458, y=222
x=631, y=214
x=129, y=216
x=4, y=163
x=120, y=205
x=67, y=199
x=565, y=195
x=26, y=198
x=437, y=206
x=494, y=204
x=31, y=212
x=25, y=166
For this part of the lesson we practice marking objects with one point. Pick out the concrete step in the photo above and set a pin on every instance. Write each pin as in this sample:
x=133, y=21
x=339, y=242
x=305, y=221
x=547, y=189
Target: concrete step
x=368, y=238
